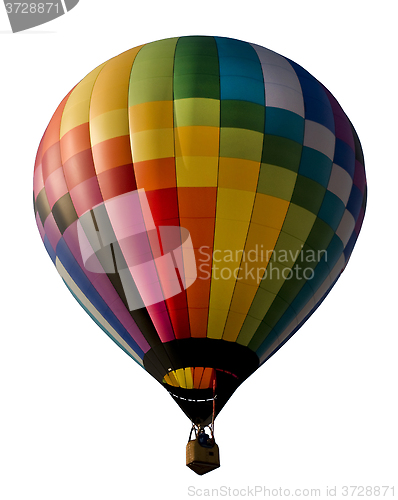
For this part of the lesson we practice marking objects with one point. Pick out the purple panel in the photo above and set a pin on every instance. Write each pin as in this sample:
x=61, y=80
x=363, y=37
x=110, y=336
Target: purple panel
x=359, y=176
x=343, y=129
x=52, y=231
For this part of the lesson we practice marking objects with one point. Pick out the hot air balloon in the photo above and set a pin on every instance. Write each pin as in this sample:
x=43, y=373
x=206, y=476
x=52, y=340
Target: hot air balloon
x=199, y=196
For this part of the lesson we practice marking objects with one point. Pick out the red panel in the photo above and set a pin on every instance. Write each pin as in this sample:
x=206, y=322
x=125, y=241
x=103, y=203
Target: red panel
x=51, y=160
x=163, y=205
x=112, y=153
x=79, y=168
x=117, y=181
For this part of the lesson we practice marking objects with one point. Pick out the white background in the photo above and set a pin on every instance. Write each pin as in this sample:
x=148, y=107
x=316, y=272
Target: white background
x=79, y=419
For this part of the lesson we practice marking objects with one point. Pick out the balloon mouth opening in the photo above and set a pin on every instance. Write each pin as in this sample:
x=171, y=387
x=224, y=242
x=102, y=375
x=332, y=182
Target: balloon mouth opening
x=194, y=377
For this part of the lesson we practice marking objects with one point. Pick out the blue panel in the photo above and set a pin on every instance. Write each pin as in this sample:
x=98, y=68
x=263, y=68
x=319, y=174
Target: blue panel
x=49, y=248
x=334, y=250
x=350, y=245
x=287, y=317
x=321, y=272
x=344, y=157
x=284, y=123
x=355, y=201
x=316, y=103
x=241, y=76
x=332, y=210
x=76, y=273
x=302, y=298
x=315, y=165
x=270, y=339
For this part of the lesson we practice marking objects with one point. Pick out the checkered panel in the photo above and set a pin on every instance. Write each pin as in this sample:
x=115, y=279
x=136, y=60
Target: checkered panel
x=235, y=143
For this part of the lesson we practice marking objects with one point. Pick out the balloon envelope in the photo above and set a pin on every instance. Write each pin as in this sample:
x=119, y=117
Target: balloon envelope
x=199, y=196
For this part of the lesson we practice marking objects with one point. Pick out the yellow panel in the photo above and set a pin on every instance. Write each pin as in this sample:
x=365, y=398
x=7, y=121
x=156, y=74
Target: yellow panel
x=180, y=375
x=261, y=241
x=234, y=324
x=234, y=204
x=111, y=88
x=151, y=115
x=76, y=111
x=109, y=125
x=152, y=144
x=188, y=378
x=269, y=211
x=216, y=324
x=236, y=173
x=243, y=297
x=197, y=141
x=230, y=236
x=197, y=171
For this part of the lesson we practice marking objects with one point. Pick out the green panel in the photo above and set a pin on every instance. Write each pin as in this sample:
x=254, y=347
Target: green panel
x=287, y=249
x=261, y=303
x=248, y=329
x=242, y=114
x=263, y=332
x=197, y=86
x=275, y=312
x=273, y=280
x=284, y=123
x=282, y=152
x=196, y=68
x=241, y=143
x=298, y=222
x=276, y=181
x=292, y=286
x=320, y=235
x=152, y=73
x=332, y=210
x=196, y=112
x=308, y=194
x=315, y=165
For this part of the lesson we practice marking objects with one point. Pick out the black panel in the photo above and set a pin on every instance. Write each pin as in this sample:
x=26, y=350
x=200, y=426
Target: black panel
x=221, y=355
x=42, y=206
x=64, y=212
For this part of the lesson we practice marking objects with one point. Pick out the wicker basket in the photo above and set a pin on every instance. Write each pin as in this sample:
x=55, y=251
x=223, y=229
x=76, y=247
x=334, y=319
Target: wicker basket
x=201, y=459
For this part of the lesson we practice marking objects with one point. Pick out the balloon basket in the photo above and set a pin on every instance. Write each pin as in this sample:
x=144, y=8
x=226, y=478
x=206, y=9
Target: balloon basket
x=201, y=459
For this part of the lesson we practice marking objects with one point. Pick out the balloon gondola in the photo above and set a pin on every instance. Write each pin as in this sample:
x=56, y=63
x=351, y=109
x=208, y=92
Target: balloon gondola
x=199, y=196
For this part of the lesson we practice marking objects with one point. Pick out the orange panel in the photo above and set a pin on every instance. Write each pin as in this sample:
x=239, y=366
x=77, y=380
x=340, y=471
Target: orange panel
x=197, y=376
x=197, y=202
x=155, y=174
x=151, y=115
x=112, y=153
x=52, y=134
x=207, y=378
x=198, y=321
x=75, y=141
x=236, y=173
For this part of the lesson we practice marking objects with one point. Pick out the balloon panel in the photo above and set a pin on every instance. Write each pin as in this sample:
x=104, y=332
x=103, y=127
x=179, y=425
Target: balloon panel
x=252, y=194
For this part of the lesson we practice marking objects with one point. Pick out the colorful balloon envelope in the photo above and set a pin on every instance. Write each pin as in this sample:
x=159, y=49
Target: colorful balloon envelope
x=199, y=197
